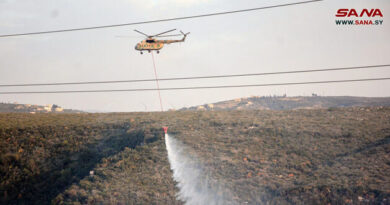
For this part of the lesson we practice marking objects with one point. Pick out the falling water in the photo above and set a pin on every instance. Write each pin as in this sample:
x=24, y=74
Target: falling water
x=195, y=185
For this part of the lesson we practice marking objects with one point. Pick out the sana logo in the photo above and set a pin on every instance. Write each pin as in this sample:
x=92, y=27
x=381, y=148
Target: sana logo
x=362, y=13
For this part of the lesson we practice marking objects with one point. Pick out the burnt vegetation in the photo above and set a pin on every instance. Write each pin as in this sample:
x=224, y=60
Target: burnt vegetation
x=319, y=156
x=41, y=155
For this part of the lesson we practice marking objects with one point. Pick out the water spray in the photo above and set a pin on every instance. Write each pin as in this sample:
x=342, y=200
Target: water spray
x=196, y=185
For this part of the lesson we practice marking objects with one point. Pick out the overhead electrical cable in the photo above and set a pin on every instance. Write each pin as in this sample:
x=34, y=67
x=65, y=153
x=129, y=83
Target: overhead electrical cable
x=198, y=77
x=194, y=88
x=156, y=21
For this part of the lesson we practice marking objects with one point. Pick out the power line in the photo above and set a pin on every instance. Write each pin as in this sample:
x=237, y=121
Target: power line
x=194, y=88
x=155, y=21
x=197, y=77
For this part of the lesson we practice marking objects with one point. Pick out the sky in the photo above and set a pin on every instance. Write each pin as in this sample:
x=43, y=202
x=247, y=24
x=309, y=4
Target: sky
x=280, y=39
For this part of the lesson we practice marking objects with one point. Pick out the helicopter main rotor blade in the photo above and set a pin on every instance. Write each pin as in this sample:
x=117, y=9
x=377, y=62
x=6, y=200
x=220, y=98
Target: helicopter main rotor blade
x=163, y=33
x=170, y=35
x=141, y=33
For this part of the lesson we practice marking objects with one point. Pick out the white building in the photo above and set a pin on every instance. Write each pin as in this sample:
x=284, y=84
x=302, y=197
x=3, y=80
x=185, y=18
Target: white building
x=48, y=108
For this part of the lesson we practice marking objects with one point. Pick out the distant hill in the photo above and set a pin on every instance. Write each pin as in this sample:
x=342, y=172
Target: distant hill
x=27, y=108
x=292, y=103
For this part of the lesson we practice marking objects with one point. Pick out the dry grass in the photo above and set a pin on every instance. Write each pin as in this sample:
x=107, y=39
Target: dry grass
x=336, y=156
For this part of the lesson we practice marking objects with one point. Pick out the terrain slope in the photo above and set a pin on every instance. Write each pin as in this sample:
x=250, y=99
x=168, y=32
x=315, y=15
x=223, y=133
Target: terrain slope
x=291, y=103
x=313, y=156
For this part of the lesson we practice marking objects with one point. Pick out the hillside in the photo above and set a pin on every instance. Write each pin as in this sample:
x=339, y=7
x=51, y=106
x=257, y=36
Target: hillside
x=42, y=155
x=291, y=103
x=27, y=108
x=316, y=156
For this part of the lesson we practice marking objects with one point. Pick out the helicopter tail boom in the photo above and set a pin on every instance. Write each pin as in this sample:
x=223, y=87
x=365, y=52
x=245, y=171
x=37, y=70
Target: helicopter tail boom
x=174, y=41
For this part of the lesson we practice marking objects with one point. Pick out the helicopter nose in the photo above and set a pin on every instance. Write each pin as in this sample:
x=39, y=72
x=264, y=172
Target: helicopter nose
x=136, y=46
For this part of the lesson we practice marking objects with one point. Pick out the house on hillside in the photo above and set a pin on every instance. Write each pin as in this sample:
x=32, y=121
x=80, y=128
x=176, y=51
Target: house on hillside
x=48, y=108
x=59, y=109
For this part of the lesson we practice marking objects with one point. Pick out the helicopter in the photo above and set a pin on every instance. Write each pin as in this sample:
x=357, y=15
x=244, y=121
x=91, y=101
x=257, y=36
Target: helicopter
x=151, y=43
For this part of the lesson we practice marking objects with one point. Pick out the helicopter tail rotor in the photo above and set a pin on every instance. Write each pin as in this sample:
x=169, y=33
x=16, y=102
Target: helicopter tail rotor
x=184, y=35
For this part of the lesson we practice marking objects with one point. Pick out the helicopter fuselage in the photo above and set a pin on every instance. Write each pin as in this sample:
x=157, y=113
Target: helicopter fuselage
x=150, y=44
x=153, y=44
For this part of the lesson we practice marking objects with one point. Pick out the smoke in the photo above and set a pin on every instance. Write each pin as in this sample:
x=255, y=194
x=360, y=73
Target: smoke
x=196, y=186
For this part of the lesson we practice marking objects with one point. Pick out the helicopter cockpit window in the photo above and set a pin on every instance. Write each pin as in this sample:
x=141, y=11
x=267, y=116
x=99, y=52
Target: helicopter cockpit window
x=149, y=41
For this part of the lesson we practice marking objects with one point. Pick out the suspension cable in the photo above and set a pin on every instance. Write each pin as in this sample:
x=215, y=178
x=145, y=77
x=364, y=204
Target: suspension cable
x=158, y=86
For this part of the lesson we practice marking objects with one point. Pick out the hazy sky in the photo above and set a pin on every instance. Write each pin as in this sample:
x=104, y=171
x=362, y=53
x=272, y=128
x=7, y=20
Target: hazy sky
x=279, y=39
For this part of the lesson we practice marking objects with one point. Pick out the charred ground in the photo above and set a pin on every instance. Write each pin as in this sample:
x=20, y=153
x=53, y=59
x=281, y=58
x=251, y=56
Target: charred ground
x=338, y=155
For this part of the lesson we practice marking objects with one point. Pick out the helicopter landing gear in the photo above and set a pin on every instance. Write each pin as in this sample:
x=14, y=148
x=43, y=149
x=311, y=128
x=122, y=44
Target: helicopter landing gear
x=142, y=53
x=149, y=51
x=157, y=51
